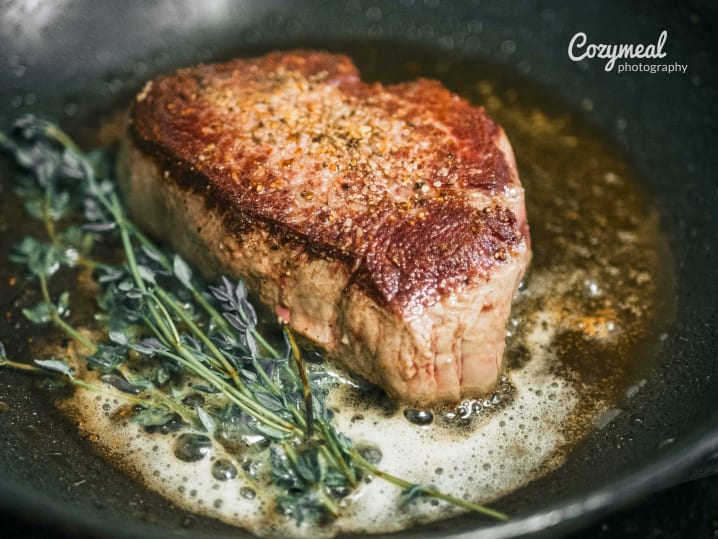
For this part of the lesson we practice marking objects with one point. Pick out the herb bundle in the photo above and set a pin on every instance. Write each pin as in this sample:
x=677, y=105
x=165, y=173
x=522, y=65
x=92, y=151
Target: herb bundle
x=159, y=324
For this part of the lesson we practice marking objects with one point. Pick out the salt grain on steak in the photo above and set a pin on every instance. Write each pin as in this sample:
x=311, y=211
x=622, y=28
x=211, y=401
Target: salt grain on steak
x=385, y=223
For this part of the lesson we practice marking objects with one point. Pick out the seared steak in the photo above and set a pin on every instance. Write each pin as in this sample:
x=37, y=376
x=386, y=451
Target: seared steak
x=385, y=223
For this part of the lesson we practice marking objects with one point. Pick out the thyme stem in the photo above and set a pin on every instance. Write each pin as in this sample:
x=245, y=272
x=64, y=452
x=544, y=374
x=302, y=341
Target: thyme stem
x=328, y=503
x=336, y=455
x=5, y=362
x=161, y=398
x=426, y=490
x=182, y=314
x=49, y=223
x=185, y=358
x=307, y=390
x=58, y=320
x=28, y=367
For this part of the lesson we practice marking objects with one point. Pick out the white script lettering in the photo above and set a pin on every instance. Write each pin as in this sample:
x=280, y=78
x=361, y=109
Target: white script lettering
x=578, y=49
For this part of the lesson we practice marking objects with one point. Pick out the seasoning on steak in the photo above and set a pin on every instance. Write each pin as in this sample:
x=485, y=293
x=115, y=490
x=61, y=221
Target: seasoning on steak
x=385, y=223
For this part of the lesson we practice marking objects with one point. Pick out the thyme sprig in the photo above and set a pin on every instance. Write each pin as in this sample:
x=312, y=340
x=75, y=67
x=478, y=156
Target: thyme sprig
x=161, y=323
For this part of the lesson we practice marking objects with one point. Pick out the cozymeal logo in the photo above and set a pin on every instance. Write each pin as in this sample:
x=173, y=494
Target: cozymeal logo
x=619, y=54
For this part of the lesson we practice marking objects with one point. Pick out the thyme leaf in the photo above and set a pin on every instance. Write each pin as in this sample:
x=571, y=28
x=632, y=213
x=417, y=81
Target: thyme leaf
x=55, y=365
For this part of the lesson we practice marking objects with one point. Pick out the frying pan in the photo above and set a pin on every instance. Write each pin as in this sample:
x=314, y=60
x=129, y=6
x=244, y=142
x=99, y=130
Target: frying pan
x=68, y=59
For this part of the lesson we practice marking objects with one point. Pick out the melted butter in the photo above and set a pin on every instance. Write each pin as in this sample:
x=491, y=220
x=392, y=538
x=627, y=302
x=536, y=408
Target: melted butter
x=575, y=340
x=481, y=459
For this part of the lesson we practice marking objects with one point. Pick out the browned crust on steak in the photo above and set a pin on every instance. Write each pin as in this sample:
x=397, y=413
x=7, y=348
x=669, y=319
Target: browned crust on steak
x=378, y=177
x=417, y=262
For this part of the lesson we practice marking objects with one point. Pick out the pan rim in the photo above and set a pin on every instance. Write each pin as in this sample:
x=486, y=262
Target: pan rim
x=557, y=519
x=662, y=468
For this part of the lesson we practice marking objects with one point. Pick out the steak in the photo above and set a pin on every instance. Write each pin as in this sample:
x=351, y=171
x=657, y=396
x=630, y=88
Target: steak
x=384, y=223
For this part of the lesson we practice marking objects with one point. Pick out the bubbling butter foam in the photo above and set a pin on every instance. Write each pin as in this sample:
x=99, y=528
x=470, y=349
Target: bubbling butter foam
x=505, y=443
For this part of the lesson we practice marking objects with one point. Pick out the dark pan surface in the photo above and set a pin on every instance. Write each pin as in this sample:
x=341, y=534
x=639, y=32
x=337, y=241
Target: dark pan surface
x=69, y=60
